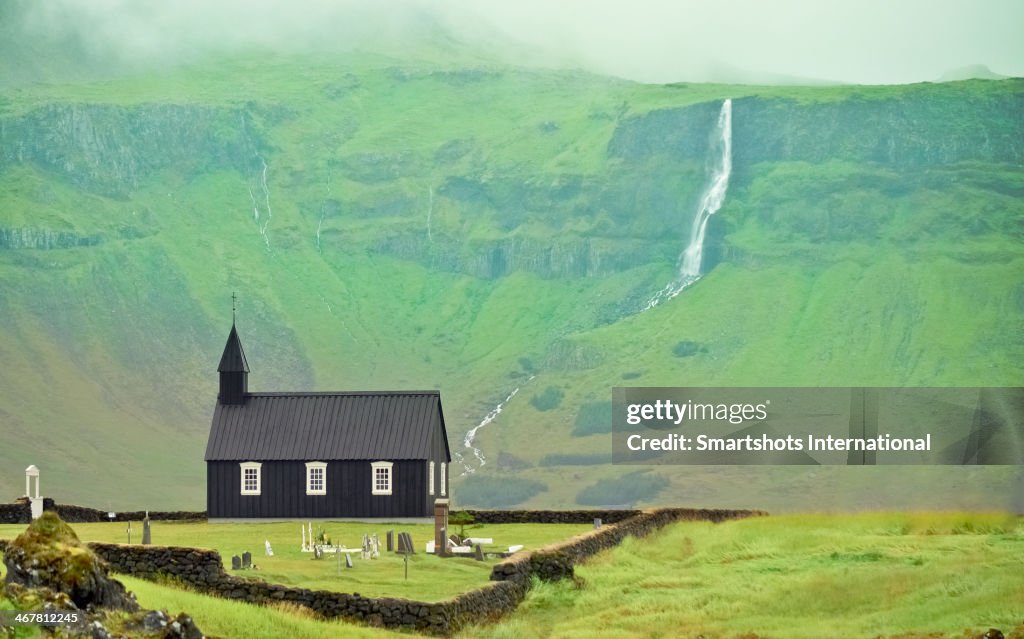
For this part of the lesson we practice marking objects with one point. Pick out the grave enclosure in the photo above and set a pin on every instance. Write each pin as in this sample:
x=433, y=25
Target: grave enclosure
x=510, y=579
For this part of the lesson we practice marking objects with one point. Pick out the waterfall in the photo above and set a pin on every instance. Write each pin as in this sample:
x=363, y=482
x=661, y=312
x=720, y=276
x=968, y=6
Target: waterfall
x=266, y=195
x=469, y=440
x=261, y=183
x=714, y=195
x=430, y=212
x=323, y=214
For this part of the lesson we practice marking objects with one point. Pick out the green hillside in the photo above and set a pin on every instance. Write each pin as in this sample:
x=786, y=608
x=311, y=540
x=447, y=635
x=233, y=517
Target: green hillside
x=478, y=228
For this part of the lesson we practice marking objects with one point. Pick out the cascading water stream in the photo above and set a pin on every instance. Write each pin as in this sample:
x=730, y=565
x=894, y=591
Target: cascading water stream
x=689, y=262
x=469, y=440
x=266, y=196
x=430, y=212
x=711, y=201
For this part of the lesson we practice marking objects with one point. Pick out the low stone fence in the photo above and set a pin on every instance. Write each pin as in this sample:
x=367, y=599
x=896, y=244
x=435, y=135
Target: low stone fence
x=81, y=514
x=510, y=579
x=17, y=513
x=20, y=512
x=204, y=571
x=557, y=561
x=550, y=516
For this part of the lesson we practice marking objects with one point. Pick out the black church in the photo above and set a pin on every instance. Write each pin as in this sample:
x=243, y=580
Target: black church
x=345, y=455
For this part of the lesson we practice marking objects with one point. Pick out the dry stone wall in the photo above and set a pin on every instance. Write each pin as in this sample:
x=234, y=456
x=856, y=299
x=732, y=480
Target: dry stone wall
x=510, y=579
x=20, y=512
x=80, y=514
x=557, y=561
x=203, y=570
x=550, y=516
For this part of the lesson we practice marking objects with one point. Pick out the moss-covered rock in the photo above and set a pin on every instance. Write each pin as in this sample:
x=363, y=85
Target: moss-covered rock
x=49, y=555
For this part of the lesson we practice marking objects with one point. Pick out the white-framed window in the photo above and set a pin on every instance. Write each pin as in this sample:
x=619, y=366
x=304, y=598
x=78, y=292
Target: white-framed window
x=430, y=476
x=381, y=477
x=251, y=472
x=316, y=478
x=444, y=480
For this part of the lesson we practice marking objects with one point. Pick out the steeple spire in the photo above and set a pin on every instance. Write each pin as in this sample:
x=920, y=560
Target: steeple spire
x=233, y=368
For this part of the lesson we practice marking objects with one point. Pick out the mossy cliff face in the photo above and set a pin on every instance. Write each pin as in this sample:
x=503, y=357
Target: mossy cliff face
x=49, y=555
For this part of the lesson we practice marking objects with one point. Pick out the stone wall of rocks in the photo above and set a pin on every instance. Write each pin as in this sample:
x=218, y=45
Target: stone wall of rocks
x=81, y=514
x=510, y=579
x=550, y=516
x=558, y=561
x=20, y=512
x=195, y=566
x=204, y=571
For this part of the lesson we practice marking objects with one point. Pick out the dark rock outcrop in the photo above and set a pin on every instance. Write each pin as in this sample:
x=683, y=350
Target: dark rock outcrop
x=49, y=555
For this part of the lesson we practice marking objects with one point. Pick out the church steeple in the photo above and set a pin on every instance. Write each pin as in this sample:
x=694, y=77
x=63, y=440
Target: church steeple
x=234, y=371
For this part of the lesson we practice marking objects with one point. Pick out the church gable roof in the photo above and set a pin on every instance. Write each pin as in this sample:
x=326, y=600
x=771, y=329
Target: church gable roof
x=325, y=426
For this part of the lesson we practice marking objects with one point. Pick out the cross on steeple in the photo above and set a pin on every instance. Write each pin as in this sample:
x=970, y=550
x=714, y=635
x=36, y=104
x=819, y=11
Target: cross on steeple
x=233, y=308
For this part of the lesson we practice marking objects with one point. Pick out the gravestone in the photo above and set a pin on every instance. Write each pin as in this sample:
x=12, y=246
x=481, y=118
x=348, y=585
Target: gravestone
x=236, y=562
x=597, y=522
x=348, y=560
x=478, y=553
x=146, y=535
x=405, y=544
x=246, y=559
x=391, y=541
x=318, y=552
x=375, y=546
x=268, y=549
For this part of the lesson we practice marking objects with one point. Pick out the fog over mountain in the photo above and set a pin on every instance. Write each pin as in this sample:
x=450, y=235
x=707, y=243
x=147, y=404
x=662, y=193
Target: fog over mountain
x=871, y=42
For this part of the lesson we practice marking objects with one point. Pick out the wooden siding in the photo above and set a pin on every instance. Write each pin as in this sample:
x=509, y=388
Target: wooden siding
x=283, y=491
x=439, y=455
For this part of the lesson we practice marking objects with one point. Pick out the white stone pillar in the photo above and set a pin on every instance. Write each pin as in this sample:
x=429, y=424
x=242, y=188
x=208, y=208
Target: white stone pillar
x=35, y=502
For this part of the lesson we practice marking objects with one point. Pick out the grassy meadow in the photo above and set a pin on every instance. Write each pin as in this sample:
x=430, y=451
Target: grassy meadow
x=926, y=575
x=908, y=575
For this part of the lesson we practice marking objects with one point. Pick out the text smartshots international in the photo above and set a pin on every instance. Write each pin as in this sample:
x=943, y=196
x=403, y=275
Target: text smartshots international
x=853, y=426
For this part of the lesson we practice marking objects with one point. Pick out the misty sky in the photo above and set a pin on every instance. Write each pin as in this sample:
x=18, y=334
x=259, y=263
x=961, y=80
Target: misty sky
x=860, y=41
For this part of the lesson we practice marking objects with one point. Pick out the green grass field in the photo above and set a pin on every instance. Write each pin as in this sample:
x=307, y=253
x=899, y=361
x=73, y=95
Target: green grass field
x=909, y=575
x=913, y=575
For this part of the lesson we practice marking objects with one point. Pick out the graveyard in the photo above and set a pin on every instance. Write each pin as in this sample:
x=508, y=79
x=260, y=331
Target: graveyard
x=430, y=578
